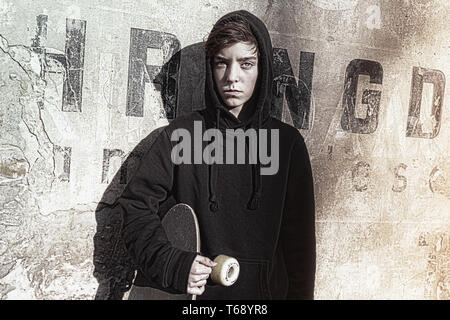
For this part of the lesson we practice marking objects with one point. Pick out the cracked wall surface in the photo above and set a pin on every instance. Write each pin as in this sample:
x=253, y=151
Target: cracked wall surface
x=86, y=87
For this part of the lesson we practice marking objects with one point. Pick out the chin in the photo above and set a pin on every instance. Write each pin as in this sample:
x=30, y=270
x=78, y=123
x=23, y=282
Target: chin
x=233, y=103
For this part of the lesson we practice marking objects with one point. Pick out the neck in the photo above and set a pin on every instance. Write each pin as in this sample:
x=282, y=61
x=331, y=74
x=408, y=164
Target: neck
x=236, y=111
x=246, y=111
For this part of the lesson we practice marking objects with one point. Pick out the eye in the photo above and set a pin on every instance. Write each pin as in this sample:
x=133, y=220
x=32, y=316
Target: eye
x=247, y=65
x=220, y=64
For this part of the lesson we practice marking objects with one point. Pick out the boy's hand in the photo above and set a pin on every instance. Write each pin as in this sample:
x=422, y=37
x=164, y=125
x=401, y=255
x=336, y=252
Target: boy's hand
x=200, y=271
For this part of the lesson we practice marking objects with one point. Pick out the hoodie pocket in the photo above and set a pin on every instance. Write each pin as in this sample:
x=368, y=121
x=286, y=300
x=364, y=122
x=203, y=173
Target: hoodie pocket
x=252, y=283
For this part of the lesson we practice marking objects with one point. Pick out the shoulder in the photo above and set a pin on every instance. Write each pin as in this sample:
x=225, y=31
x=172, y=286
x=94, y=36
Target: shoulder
x=286, y=131
x=293, y=141
x=184, y=121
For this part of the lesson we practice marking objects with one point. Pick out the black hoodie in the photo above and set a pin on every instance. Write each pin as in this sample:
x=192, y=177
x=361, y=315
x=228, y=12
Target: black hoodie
x=265, y=221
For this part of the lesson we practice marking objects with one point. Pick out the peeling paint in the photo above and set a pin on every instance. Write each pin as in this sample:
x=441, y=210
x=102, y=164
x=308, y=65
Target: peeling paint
x=438, y=267
x=440, y=180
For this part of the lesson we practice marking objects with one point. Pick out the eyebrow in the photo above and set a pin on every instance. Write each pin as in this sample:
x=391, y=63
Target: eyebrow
x=240, y=59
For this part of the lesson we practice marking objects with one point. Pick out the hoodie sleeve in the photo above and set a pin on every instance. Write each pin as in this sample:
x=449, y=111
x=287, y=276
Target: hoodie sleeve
x=297, y=236
x=165, y=266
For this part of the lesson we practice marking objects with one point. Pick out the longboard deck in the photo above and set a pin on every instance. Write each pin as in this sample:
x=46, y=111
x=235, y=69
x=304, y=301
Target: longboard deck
x=181, y=226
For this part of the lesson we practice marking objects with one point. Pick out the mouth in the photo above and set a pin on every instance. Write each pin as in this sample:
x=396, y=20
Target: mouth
x=232, y=91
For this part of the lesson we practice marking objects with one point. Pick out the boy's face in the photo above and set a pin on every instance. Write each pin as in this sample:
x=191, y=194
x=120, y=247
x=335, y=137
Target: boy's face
x=235, y=73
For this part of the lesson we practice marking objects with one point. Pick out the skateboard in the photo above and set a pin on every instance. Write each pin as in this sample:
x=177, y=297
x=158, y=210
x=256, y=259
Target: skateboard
x=181, y=226
x=182, y=230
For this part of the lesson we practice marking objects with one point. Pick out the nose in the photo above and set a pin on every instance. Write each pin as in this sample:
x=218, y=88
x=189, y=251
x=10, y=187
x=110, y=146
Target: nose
x=233, y=73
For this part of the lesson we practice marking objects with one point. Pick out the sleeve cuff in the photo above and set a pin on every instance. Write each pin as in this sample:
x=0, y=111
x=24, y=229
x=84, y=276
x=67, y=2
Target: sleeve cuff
x=180, y=266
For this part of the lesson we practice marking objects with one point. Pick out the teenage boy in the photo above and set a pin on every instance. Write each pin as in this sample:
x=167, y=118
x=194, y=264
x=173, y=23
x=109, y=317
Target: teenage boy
x=265, y=219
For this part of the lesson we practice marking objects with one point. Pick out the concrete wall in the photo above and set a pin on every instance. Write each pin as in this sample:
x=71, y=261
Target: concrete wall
x=83, y=82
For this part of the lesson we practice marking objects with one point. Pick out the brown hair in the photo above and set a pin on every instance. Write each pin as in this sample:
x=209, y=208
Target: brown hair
x=228, y=33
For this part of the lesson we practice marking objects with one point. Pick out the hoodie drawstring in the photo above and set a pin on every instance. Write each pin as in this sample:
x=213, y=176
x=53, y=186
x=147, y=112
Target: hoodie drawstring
x=253, y=204
x=213, y=204
x=254, y=201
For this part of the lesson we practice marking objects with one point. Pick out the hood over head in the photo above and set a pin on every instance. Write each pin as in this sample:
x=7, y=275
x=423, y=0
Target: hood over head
x=217, y=114
x=260, y=102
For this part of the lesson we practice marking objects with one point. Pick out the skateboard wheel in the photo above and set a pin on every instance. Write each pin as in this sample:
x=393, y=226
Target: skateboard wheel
x=226, y=271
